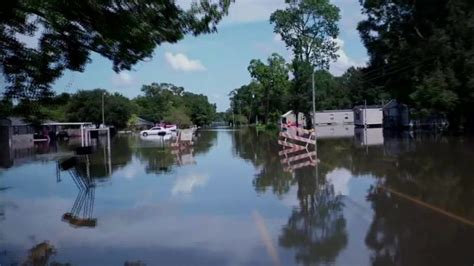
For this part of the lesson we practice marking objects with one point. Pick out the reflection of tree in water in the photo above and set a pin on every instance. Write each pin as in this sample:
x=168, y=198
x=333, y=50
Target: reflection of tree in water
x=121, y=155
x=204, y=141
x=82, y=209
x=261, y=150
x=161, y=160
x=41, y=254
x=404, y=233
x=158, y=160
x=317, y=228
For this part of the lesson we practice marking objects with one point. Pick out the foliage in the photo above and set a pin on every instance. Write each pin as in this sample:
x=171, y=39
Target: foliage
x=166, y=101
x=68, y=31
x=274, y=83
x=421, y=53
x=178, y=116
x=310, y=28
x=87, y=106
x=132, y=122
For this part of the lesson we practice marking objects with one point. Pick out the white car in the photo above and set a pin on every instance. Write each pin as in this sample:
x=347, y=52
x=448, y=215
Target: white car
x=156, y=131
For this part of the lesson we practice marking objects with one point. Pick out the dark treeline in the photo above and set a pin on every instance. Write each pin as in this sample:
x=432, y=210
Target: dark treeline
x=159, y=103
x=421, y=53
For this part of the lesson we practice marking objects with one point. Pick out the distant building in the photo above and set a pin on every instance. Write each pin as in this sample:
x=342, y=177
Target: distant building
x=16, y=132
x=334, y=117
x=143, y=124
x=289, y=119
x=370, y=116
x=396, y=115
x=16, y=140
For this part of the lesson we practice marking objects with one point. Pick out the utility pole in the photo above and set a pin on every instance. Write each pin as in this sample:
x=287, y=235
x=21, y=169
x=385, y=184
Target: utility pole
x=103, y=111
x=314, y=110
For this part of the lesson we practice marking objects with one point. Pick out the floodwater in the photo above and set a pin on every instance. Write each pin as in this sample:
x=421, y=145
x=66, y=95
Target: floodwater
x=236, y=199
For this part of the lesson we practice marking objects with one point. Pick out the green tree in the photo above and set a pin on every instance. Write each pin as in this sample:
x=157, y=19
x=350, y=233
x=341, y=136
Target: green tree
x=87, y=106
x=309, y=28
x=123, y=31
x=274, y=80
x=421, y=53
x=179, y=117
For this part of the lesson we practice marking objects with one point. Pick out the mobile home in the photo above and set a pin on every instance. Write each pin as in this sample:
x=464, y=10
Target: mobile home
x=368, y=116
x=396, y=115
x=334, y=117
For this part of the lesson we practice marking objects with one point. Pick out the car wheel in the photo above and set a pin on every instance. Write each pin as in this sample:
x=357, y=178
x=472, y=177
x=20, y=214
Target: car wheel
x=145, y=134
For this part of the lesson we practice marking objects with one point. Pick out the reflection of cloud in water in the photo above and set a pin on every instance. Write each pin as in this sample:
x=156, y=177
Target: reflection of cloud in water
x=339, y=178
x=186, y=184
x=145, y=228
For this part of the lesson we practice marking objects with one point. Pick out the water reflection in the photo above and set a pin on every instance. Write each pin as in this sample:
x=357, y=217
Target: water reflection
x=199, y=210
x=317, y=228
x=431, y=169
x=82, y=209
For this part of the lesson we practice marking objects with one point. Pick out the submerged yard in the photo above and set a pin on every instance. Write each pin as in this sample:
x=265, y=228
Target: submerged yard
x=394, y=200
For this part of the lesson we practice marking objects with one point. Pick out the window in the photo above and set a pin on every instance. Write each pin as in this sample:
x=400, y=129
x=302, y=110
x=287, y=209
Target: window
x=16, y=130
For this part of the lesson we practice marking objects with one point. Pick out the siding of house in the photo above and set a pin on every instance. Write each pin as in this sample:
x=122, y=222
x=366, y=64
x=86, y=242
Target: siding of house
x=374, y=116
x=333, y=117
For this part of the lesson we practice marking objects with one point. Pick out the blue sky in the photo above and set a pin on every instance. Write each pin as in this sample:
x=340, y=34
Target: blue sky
x=217, y=63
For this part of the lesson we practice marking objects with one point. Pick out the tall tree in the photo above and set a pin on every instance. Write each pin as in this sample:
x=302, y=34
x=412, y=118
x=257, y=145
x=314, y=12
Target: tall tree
x=274, y=79
x=422, y=53
x=68, y=31
x=87, y=106
x=309, y=28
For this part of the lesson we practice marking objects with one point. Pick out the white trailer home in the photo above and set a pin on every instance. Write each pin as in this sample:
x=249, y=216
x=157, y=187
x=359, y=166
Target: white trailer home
x=370, y=116
x=289, y=119
x=334, y=117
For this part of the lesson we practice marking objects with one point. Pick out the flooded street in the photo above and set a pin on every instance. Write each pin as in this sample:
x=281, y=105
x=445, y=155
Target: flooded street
x=233, y=199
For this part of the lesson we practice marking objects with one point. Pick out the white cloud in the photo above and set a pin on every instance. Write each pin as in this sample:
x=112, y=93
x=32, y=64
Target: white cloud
x=343, y=61
x=186, y=184
x=123, y=79
x=251, y=10
x=181, y=62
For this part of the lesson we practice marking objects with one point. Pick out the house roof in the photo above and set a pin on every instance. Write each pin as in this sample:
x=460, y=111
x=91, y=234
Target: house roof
x=287, y=113
x=17, y=121
x=145, y=122
x=335, y=111
x=368, y=107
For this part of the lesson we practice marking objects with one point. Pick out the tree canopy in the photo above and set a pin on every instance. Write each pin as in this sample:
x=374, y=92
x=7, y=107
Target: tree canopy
x=69, y=31
x=421, y=53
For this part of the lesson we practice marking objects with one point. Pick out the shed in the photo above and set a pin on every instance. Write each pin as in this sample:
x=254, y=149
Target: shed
x=369, y=116
x=16, y=132
x=396, y=115
x=289, y=119
x=334, y=117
